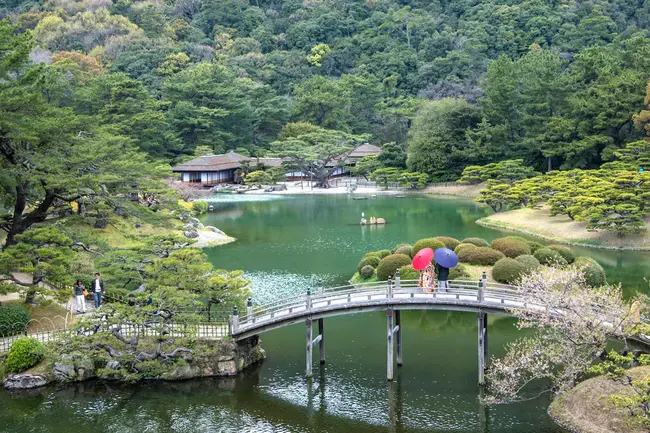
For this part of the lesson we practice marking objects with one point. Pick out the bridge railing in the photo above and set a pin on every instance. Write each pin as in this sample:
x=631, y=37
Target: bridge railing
x=320, y=297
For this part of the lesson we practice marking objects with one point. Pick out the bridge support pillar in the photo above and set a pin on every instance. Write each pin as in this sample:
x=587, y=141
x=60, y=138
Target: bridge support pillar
x=321, y=343
x=309, y=348
x=398, y=335
x=482, y=346
x=390, y=352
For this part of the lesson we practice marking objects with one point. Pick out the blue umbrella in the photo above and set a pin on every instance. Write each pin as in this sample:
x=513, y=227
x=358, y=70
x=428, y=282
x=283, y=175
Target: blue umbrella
x=445, y=257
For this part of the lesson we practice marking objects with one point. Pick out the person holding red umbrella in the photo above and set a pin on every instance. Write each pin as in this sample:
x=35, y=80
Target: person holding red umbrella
x=422, y=262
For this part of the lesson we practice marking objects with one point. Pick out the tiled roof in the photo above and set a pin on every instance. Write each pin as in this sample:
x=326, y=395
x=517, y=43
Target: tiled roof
x=365, y=150
x=225, y=161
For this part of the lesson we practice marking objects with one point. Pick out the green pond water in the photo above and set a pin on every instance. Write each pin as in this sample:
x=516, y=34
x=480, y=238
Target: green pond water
x=287, y=244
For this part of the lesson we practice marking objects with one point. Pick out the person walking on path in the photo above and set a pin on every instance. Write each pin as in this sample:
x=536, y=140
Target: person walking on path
x=79, y=297
x=98, y=289
x=443, y=277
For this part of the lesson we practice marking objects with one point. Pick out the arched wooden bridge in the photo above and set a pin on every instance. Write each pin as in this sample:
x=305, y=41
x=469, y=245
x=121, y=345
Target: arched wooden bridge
x=391, y=296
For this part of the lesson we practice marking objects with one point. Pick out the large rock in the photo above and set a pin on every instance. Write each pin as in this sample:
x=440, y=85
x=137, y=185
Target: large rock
x=194, y=221
x=191, y=234
x=73, y=367
x=188, y=226
x=24, y=381
x=199, y=226
x=214, y=229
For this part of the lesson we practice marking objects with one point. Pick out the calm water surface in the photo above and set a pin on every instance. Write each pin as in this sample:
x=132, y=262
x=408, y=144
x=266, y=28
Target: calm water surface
x=287, y=244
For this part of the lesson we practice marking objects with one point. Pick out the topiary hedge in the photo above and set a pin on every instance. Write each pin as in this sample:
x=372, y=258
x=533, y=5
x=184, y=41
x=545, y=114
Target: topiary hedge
x=390, y=264
x=382, y=253
x=475, y=241
x=480, y=256
x=511, y=246
x=508, y=270
x=372, y=261
x=549, y=257
x=534, y=246
x=432, y=243
x=461, y=247
x=459, y=272
x=404, y=249
x=529, y=262
x=366, y=272
x=566, y=252
x=13, y=319
x=398, y=246
x=449, y=242
x=408, y=273
x=594, y=273
x=24, y=353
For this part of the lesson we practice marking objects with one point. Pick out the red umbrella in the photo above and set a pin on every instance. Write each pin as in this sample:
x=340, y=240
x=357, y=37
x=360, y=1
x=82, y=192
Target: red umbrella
x=422, y=259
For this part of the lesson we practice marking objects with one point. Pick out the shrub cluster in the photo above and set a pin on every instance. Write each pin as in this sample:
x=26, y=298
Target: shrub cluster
x=408, y=273
x=549, y=257
x=449, y=242
x=475, y=241
x=382, y=253
x=479, y=256
x=508, y=270
x=529, y=262
x=390, y=264
x=511, y=246
x=566, y=252
x=199, y=207
x=372, y=261
x=594, y=273
x=534, y=246
x=462, y=246
x=432, y=243
x=459, y=273
x=404, y=249
x=366, y=272
x=13, y=319
x=24, y=353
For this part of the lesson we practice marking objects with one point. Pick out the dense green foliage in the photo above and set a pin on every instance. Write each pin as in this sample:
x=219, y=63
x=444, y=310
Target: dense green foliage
x=463, y=247
x=24, y=353
x=511, y=246
x=408, y=273
x=528, y=261
x=432, y=243
x=372, y=261
x=594, y=273
x=549, y=257
x=566, y=252
x=449, y=242
x=390, y=264
x=404, y=249
x=475, y=241
x=367, y=271
x=508, y=270
x=479, y=256
x=13, y=319
x=199, y=207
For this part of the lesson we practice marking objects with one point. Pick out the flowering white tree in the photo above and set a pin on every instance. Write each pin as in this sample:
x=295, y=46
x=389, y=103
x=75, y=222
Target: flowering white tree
x=573, y=323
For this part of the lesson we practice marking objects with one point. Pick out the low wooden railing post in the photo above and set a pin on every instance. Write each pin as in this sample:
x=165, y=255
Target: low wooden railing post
x=389, y=292
x=308, y=301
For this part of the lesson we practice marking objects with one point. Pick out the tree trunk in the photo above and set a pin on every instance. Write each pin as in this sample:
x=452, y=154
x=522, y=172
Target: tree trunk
x=549, y=164
x=22, y=221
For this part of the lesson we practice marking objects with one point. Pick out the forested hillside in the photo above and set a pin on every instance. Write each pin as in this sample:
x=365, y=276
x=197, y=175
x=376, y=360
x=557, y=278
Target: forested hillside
x=555, y=83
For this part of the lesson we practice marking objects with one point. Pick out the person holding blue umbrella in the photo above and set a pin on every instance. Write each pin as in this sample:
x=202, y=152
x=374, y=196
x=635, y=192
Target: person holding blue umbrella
x=445, y=259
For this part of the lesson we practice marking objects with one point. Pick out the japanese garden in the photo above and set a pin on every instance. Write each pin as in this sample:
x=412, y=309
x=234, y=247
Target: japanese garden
x=212, y=214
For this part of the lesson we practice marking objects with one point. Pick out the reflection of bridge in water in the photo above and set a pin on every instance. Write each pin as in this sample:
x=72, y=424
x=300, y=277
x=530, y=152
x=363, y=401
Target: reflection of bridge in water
x=472, y=296
x=392, y=297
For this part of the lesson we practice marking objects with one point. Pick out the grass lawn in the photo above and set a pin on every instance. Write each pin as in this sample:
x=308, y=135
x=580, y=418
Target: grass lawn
x=560, y=228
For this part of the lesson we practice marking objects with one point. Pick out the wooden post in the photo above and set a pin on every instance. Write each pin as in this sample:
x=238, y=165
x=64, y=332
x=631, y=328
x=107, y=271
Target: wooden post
x=398, y=324
x=389, y=352
x=235, y=320
x=482, y=346
x=249, y=310
x=397, y=280
x=308, y=304
x=389, y=292
x=309, y=345
x=321, y=343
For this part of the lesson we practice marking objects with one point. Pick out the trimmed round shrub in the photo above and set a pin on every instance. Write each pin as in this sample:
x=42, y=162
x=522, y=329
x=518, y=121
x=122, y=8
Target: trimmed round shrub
x=371, y=254
x=459, y=272
x=390, y=264
x=13, y=319
x=366, y=272
x=549, y=257
x=372, y=261
x=405, y=249
x=475, y=241
x=566, y=252
x=449, y=242
x=511, y=247
x=594, y=273
x=408, y=273
x=534, y=246
x=199, y=207
x=508, y=270
x=432, y=243
x=398, y=246
x=462, y=247
x=480, y=256
x=24, y=353
x=382, y=253
x=529, y=262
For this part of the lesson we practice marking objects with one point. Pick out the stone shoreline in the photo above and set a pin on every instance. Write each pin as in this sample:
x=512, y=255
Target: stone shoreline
x=227, y=359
